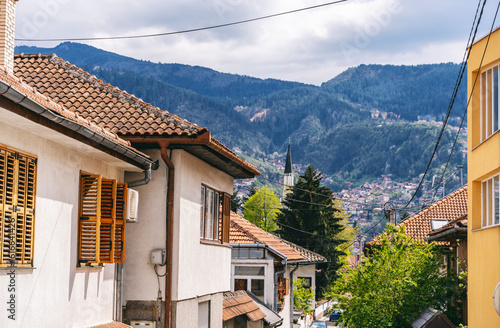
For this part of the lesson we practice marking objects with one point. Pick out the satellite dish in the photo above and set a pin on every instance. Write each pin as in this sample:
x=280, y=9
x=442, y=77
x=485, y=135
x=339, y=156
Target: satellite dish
x=496, y=298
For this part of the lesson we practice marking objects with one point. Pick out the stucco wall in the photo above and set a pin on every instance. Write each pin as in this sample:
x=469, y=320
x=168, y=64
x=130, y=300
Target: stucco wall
x=56, y=293
x=199, y=268
x=139, y=277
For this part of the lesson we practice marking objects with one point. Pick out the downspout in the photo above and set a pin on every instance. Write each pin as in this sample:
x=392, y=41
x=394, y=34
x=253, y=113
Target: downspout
x=145, y=180
x=276, y=274
x=291, y=294
x=169, y=232
x=119, y=266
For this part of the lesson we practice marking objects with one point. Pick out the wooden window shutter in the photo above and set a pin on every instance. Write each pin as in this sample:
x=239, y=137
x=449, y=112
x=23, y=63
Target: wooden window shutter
x=89, y=219
x=26, y=189
x=120, y=222
x=17, y=208
x=226, y=214
x=107, y=224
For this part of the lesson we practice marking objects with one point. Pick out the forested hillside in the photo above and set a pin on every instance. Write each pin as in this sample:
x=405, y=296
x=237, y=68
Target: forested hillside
x=357, y=126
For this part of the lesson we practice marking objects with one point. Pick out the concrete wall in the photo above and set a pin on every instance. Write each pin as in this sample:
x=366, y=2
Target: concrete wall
x=55, y=293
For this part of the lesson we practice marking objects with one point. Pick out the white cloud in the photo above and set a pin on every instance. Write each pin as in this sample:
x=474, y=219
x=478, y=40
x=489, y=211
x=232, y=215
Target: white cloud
x=310, y=46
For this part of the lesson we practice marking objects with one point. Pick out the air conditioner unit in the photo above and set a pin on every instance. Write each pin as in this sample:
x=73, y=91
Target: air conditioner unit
x=143, y=323
x=133, y=205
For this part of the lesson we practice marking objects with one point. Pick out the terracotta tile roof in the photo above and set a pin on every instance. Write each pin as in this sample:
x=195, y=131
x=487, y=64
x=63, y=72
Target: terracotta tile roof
x=239, y=303
x=36, y=97
x=244, y=232
x=106, y=105
x=451, y=207
x=111, y=108
x=113, y=324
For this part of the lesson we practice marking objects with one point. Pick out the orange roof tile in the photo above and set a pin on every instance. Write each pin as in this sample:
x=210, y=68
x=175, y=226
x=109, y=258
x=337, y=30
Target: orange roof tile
x=109, y=107
x=86, y=95
x=239, y=303
x=244, y=232
x=451, y=207
x=48, y=103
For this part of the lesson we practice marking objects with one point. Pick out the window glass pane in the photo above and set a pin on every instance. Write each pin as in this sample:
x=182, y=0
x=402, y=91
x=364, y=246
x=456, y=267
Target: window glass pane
x=204, y=315
x=489, y=202
x=215, y=224
x=483, y=106
x=258, y=288
x=495, y=99
x=240, y=284
x=248, y=271
x=202, y=212
x=488, y=103
x=234, y=252
x=210, y=222
x=496, y=186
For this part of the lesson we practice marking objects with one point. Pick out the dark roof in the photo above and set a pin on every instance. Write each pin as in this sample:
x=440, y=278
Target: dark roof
x=288, y=164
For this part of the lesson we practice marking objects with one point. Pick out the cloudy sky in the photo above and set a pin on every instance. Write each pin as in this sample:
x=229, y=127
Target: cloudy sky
x=309, y=46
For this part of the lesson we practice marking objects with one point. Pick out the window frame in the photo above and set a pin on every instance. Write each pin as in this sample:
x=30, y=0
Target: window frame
x=250, y=278
x=17, y=166
x=102, y=220
x=490, y=202
x=215, y=221
x=489, y=101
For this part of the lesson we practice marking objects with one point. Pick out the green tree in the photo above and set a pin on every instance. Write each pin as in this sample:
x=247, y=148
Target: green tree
x=262, y=209
x=395, y=284
x=302, y=296
x=312, y=219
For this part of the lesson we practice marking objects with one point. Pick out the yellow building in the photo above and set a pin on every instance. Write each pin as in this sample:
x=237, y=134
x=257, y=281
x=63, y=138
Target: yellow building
x=484, y=181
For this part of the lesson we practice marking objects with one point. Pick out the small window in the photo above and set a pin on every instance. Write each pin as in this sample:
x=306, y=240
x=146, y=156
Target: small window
x=307, y=282
x=204, y=314
x=489, y=102
x=102, y=220
x=17, y=207
x=248, y=271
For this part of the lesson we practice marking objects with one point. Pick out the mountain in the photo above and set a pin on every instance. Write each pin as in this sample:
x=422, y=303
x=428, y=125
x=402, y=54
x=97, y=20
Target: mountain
x=358, y=125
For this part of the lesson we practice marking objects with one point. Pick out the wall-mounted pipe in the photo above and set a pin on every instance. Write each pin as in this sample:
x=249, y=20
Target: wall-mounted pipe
x=291, y=294
x=145, y=180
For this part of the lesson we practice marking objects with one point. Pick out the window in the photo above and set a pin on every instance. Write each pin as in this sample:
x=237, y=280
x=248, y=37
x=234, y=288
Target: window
x=250, y=278
x=490, y=202
x=307, y=282
x=489, y=102
x=214, y=215
x=17, y=207
x=102, y=220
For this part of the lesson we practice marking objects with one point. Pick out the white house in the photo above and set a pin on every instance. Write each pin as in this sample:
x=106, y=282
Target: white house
x=86, y=138
x=266, y=265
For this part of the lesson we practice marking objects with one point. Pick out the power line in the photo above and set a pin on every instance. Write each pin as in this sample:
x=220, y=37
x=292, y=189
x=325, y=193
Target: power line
x=141, y=36
x=452, y=100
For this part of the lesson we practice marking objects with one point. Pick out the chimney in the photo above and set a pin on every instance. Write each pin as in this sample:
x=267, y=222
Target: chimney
x=7, y=33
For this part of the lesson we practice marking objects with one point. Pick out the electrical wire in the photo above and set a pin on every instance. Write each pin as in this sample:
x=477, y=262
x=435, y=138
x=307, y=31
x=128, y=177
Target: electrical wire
x=452, y=100
x=141, y=36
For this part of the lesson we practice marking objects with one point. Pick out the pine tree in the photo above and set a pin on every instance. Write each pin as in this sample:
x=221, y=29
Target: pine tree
x=311, y=219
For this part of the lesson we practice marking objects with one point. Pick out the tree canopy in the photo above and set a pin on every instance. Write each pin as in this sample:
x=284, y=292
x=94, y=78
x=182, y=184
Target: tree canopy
x=311, y=218
x=395, y=284
x=262, y=209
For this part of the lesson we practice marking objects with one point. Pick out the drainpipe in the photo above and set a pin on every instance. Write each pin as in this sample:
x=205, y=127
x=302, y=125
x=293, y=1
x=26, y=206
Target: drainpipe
x=276, y=274
x=145, y=180
x=291, y=294
x=119, y=266
x=170, y=233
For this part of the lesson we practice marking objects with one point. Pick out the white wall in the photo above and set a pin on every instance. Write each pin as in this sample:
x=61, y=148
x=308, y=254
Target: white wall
x=139, y=278
x=199, y=268
x=56, y=293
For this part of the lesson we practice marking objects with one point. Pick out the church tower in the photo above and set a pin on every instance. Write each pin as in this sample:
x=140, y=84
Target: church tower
x=288, y=174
